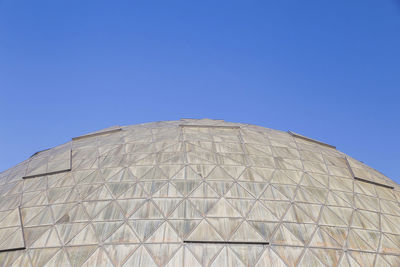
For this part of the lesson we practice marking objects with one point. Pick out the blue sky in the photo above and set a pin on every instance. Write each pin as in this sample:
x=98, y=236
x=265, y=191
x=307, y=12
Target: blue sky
x=326, y=69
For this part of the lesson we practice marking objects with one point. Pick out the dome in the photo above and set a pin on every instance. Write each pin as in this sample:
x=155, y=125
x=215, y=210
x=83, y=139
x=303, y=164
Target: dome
x=197, y=193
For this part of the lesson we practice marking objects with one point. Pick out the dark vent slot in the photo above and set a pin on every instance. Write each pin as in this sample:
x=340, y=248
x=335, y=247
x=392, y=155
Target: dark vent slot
x=44, y=174
x=12, y=249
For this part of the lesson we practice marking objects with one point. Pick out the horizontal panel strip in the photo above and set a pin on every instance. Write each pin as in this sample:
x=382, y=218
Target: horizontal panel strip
x=209, y=126
x=310, y=139
x=96, y=134
x=374, y=183
x=225, y=242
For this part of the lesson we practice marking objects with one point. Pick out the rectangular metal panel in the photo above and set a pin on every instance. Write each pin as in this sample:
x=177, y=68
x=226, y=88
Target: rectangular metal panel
x=225, y=242
x=48, y=162
x=110, y=130
x=310, y=139
x=365, y=174
x=11, y=233
x=209, y=126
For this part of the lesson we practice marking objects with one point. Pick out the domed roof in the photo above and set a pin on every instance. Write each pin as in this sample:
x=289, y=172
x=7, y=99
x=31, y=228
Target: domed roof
x=197, y=193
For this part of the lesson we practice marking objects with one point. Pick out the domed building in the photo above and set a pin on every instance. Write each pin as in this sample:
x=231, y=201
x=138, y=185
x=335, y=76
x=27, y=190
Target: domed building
x=197, y=193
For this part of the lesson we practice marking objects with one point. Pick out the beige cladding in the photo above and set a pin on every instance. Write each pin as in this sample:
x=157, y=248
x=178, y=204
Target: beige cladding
x=197, y=193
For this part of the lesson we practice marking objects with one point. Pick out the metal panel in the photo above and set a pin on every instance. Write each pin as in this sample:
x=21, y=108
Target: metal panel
x=48, y=162
x=110, y=130
x=310, y=139
x=11, y=232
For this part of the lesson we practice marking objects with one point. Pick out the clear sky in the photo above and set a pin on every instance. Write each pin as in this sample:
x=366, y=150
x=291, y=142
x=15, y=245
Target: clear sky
x=326, y=69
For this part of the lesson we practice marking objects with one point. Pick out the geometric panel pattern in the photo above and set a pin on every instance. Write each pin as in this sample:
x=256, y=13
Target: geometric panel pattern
x=197, y=193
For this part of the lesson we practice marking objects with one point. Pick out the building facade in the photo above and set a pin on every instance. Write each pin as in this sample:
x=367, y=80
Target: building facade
x=197, y=193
